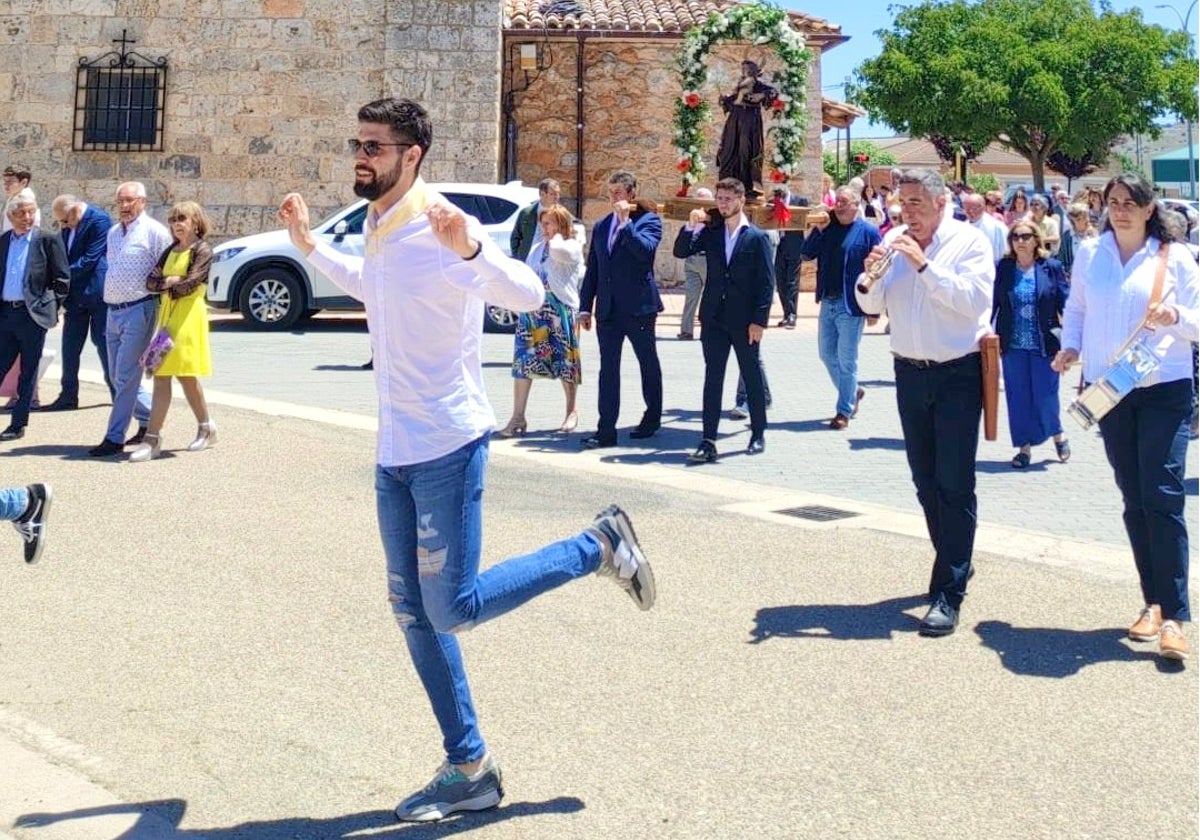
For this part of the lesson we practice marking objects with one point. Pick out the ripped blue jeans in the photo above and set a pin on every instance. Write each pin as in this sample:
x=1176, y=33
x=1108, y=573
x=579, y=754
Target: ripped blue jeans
x=430, y=520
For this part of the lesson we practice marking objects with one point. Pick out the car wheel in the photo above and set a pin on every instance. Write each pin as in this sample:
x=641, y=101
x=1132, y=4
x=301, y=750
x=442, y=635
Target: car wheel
x=497, y=319
x=272, y=299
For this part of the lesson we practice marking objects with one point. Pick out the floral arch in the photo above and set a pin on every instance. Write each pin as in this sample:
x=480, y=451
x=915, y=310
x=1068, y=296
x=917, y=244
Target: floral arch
x=761, y=24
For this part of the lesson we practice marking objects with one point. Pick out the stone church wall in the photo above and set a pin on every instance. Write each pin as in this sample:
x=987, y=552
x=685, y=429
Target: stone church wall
x=260, y=97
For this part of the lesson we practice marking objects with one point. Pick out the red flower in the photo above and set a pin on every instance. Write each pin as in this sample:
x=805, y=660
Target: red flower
x=778, y=105
x=778, y=177
x=684, y=164
x=692, y=100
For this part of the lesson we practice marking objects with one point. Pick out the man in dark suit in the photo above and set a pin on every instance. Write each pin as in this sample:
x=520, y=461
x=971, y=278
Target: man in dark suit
x=34, y=275
x=734, y=308
x=526, y=232
x=85, y=238
x=787, y=260
x=619, y=284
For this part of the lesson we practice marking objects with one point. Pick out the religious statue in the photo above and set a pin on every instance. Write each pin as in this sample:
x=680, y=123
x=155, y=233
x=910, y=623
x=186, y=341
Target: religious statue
x=740, y=154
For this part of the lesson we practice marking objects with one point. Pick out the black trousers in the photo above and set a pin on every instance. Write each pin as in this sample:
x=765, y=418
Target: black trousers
x=716, y=340
x=611, y=334
x=1146, y=441
x=940, y=411
x=21, y=335
x=787, y=283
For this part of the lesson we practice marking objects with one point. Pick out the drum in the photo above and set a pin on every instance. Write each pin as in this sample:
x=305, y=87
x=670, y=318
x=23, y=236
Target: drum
x=1129, y=368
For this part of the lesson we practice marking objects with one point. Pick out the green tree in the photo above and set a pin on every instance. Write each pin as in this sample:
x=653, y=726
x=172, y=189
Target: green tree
x=983, y=182
x=834, y=160
x=1040, y=76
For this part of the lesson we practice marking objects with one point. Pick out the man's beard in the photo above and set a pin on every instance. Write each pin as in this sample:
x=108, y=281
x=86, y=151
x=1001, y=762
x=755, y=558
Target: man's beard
x=378, y=185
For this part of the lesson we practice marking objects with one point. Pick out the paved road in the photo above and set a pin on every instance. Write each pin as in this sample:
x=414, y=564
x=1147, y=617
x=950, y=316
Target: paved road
x=205, y=651
x=319, y=366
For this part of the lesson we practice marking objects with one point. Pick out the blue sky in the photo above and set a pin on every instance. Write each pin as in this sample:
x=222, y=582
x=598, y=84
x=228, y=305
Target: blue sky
x=861, y=18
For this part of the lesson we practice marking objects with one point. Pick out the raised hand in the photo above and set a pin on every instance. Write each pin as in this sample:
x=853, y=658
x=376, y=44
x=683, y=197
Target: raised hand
x=449, y=226
x=293, y=213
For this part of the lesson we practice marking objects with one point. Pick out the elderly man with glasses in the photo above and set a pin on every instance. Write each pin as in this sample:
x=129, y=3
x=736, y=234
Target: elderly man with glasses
x=134, y=245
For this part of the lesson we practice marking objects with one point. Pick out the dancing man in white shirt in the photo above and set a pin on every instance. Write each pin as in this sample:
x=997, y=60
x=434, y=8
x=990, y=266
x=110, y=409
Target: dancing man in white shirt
x=938, y=297
x=427, y=271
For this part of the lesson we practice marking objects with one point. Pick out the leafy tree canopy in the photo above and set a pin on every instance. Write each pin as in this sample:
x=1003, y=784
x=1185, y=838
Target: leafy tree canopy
x=834, y=160
x=1041, y=76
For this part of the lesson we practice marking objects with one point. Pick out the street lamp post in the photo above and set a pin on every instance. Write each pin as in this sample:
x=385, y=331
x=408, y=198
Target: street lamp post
x=1187, y=123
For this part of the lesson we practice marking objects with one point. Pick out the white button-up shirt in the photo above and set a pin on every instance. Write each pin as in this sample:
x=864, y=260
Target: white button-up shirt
x=425, y=312
x=941, y=313
x=1108, y=301
x=996, y=232
x=133, y=251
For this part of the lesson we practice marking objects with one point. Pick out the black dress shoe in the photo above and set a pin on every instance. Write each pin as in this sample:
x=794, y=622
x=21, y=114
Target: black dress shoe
x=106, y=448
x=597, y=441
x=706, y=453
x=13, y=433
x=757, y=446
x=940, y=620
x=61, y=405
x=137, y=439
x=642, y=432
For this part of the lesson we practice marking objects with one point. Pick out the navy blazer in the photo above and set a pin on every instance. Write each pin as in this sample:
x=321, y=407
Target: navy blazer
x=88, y=256
x=621, y=283
x=47, y=276
x=860, y=238
x=737, y=293
x=1052, y=291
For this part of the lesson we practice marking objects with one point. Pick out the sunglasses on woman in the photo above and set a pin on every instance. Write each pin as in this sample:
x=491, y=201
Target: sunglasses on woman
x=1020, y=237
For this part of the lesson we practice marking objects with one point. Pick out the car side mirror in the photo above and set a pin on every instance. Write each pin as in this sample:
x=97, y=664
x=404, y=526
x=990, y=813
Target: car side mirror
x=339, y=231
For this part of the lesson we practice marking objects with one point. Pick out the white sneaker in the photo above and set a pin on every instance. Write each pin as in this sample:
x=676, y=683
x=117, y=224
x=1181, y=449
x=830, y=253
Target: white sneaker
x=739, y=412
x=626, y=564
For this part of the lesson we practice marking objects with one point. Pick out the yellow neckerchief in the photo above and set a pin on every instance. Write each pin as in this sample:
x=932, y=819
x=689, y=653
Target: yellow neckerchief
x=415, y=202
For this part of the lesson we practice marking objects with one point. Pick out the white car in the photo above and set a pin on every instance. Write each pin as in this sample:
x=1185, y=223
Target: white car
x=274, y=287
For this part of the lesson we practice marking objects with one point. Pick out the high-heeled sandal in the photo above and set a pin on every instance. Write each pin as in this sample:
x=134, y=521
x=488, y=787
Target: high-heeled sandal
x=515, y=428
x=206, y=436
x=570, y=423
x=149, y=449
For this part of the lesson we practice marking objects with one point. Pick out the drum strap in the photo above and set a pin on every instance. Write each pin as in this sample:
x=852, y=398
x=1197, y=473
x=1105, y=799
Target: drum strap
x=1160, y=273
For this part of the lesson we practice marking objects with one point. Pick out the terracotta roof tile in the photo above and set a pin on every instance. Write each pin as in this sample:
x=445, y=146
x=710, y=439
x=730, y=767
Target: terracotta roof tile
x=633, y=15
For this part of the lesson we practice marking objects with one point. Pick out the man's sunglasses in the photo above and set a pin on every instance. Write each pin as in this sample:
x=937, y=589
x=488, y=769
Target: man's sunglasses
x=371, y=147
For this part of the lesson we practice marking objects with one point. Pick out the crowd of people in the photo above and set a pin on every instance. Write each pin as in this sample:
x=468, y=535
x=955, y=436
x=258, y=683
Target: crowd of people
x=939, y=279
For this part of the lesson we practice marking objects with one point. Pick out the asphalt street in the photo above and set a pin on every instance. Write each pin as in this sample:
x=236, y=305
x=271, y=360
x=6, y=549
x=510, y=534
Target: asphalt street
x=206, y=651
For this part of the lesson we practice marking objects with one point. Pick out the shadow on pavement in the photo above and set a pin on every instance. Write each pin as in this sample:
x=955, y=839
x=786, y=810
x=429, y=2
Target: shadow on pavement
x=1007, y=467
x=1057, y=653
x=342, y=368
x=846, y=622
x=894, y=444
x=64, y=451
x=165, y=815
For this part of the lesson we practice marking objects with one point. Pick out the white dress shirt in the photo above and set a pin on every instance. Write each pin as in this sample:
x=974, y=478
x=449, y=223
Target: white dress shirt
x=941, y=313
x=425, y=312
x=1108, y=301
x=133, y=251
x=996, y=232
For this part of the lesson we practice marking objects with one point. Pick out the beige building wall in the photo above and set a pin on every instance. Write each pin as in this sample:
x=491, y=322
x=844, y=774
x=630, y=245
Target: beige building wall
x=260, y=97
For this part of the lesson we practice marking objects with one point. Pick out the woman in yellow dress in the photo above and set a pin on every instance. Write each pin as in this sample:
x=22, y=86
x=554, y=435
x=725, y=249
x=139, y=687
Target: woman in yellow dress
x=180, y=276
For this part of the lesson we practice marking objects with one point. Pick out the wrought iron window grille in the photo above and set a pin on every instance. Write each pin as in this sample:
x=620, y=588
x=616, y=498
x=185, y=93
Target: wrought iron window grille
x=119, y=101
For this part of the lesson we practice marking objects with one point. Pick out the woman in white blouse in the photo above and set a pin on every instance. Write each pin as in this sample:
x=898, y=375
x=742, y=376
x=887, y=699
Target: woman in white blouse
x=1146, y=433
x=547, y=341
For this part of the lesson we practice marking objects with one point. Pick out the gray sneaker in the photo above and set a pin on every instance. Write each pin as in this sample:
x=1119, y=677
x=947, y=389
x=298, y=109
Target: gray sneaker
x=450, y=791
x=32, y=524
x=627, y=565
x=740, y=411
